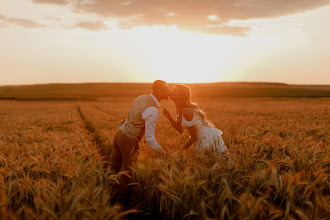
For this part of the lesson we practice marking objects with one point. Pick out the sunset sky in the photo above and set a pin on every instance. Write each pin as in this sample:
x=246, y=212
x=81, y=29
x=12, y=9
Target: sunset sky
x=44, y=41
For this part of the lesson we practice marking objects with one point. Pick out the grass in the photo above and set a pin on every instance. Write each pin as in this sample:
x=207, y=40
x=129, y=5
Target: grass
x=52, y=156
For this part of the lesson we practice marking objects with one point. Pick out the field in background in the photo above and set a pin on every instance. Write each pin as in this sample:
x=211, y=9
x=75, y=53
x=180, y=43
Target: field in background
x=92, y=91
x=51, y=159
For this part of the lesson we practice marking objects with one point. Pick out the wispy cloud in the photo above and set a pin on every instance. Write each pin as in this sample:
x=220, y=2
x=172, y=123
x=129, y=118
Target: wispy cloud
x=91, y=25
x=3, y=25
x=56, y=2
x=27, y=23
x=192, y=14
x=2, y=17
x=226, y=30
x=53, y=19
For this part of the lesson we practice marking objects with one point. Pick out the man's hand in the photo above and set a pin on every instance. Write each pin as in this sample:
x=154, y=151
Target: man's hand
x=160, y=150
x=166, y=113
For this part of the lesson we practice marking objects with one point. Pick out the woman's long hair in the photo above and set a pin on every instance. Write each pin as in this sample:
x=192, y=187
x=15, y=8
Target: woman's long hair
x=185, y=101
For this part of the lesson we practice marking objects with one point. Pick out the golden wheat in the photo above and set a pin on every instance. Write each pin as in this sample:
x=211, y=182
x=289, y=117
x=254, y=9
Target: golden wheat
x=52, y=157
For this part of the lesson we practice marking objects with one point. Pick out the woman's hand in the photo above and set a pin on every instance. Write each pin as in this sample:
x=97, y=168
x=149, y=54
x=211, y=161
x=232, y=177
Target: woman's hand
x=166, y=113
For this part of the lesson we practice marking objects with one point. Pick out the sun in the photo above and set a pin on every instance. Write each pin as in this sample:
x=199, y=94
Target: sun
x=176, y=56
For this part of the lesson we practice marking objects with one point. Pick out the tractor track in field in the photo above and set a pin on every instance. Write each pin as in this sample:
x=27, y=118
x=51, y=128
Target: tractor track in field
x=97, y=138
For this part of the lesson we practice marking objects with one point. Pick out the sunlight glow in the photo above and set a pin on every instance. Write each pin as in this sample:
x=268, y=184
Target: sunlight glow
x=66, y=46
x=177, y=56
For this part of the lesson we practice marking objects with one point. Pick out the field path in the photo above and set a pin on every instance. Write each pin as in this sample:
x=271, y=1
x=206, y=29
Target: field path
x=98, y=139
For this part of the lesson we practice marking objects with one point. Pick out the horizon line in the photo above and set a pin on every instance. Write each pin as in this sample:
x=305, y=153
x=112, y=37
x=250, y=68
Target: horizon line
x=148, y=82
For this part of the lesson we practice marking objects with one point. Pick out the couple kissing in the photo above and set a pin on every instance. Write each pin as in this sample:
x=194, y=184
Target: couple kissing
x=142, y=118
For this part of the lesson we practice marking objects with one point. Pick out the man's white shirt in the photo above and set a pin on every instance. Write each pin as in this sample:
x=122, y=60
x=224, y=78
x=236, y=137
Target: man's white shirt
x=150, y=116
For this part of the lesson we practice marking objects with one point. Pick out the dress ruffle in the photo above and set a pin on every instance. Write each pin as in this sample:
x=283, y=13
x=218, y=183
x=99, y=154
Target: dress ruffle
x=208, y=137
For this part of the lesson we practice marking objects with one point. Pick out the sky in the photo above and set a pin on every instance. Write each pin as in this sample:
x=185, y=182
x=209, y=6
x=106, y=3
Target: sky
x=71, y=41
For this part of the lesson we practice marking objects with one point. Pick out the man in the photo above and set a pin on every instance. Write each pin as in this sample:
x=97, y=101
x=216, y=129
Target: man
x=141, y=119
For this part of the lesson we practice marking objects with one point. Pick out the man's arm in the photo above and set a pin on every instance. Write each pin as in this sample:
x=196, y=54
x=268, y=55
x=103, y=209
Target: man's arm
x=150, y=116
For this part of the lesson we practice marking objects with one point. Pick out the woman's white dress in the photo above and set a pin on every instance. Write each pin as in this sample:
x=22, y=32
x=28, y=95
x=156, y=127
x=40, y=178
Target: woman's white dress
x=208, y=137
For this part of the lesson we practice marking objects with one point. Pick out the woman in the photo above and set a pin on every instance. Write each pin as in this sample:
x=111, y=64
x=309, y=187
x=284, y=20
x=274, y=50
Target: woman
x=202, y=132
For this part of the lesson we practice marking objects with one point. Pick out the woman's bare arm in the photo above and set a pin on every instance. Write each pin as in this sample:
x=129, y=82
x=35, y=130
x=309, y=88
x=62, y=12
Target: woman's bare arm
x=175, y=124
x=188, y=114
x=193, y=137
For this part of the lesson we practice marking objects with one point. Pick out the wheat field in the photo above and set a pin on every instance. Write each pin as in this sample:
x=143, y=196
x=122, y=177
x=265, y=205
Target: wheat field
x=53, y=154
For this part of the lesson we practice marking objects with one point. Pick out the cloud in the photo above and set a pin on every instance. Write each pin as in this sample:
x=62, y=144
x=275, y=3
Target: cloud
x=225, y=30
x=25, y=23
x=53, y=19
x=21, y=22
x=3, y=25
x=91, y=25
x=55, y=2
x=190, y=14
